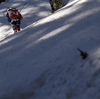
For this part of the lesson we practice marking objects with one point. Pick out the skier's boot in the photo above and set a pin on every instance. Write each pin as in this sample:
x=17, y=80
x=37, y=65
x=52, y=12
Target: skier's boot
x=18, y=29
x=15, y=31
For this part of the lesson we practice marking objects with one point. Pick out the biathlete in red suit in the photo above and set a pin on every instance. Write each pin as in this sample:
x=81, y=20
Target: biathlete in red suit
x=14, y=17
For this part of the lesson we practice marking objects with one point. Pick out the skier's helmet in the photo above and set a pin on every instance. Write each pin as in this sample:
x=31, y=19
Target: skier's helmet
x=9, y=8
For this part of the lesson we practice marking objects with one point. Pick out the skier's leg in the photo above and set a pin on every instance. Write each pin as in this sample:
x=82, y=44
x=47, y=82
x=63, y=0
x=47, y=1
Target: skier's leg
x=18, y=26
x=14, y=28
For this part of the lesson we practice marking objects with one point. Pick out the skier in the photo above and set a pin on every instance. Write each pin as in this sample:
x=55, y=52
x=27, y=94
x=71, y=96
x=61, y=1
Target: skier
x=14, y=17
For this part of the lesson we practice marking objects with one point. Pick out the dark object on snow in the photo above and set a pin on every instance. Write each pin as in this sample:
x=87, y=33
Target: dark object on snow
x=52, y=6
x=83, y=54
x=56, y=4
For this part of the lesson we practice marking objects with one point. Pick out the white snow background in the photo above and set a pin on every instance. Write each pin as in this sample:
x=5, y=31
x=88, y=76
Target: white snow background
x=42, y=60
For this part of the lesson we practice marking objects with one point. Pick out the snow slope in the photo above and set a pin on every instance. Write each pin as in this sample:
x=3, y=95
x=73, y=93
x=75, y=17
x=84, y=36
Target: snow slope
x=42, y=61
x=32, y=12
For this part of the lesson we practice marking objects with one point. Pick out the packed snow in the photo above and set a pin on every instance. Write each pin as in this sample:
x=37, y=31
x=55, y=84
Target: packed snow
x=42, y=61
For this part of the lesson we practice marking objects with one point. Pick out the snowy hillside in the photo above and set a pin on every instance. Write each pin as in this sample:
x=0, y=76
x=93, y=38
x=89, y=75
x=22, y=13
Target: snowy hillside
x=42, y=61
x=33, y=11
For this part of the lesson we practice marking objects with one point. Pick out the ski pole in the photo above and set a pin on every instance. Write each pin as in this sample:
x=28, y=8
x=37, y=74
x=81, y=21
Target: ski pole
x=22, y=7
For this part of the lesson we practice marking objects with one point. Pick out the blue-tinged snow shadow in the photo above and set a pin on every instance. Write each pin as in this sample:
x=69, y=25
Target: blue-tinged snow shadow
x=45, y=41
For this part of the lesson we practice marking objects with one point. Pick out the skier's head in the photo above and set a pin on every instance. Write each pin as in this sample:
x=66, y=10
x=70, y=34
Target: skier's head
x=9, y=8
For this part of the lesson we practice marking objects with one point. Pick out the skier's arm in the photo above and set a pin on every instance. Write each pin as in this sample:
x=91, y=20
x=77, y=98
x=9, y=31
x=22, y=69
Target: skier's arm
x=19, y=17
x=8, y=18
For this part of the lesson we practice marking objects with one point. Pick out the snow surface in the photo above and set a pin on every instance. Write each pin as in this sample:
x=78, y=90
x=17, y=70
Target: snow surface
x=42, y=61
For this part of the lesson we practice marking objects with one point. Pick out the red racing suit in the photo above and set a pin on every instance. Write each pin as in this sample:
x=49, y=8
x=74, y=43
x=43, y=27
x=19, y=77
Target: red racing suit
x=14, y=18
